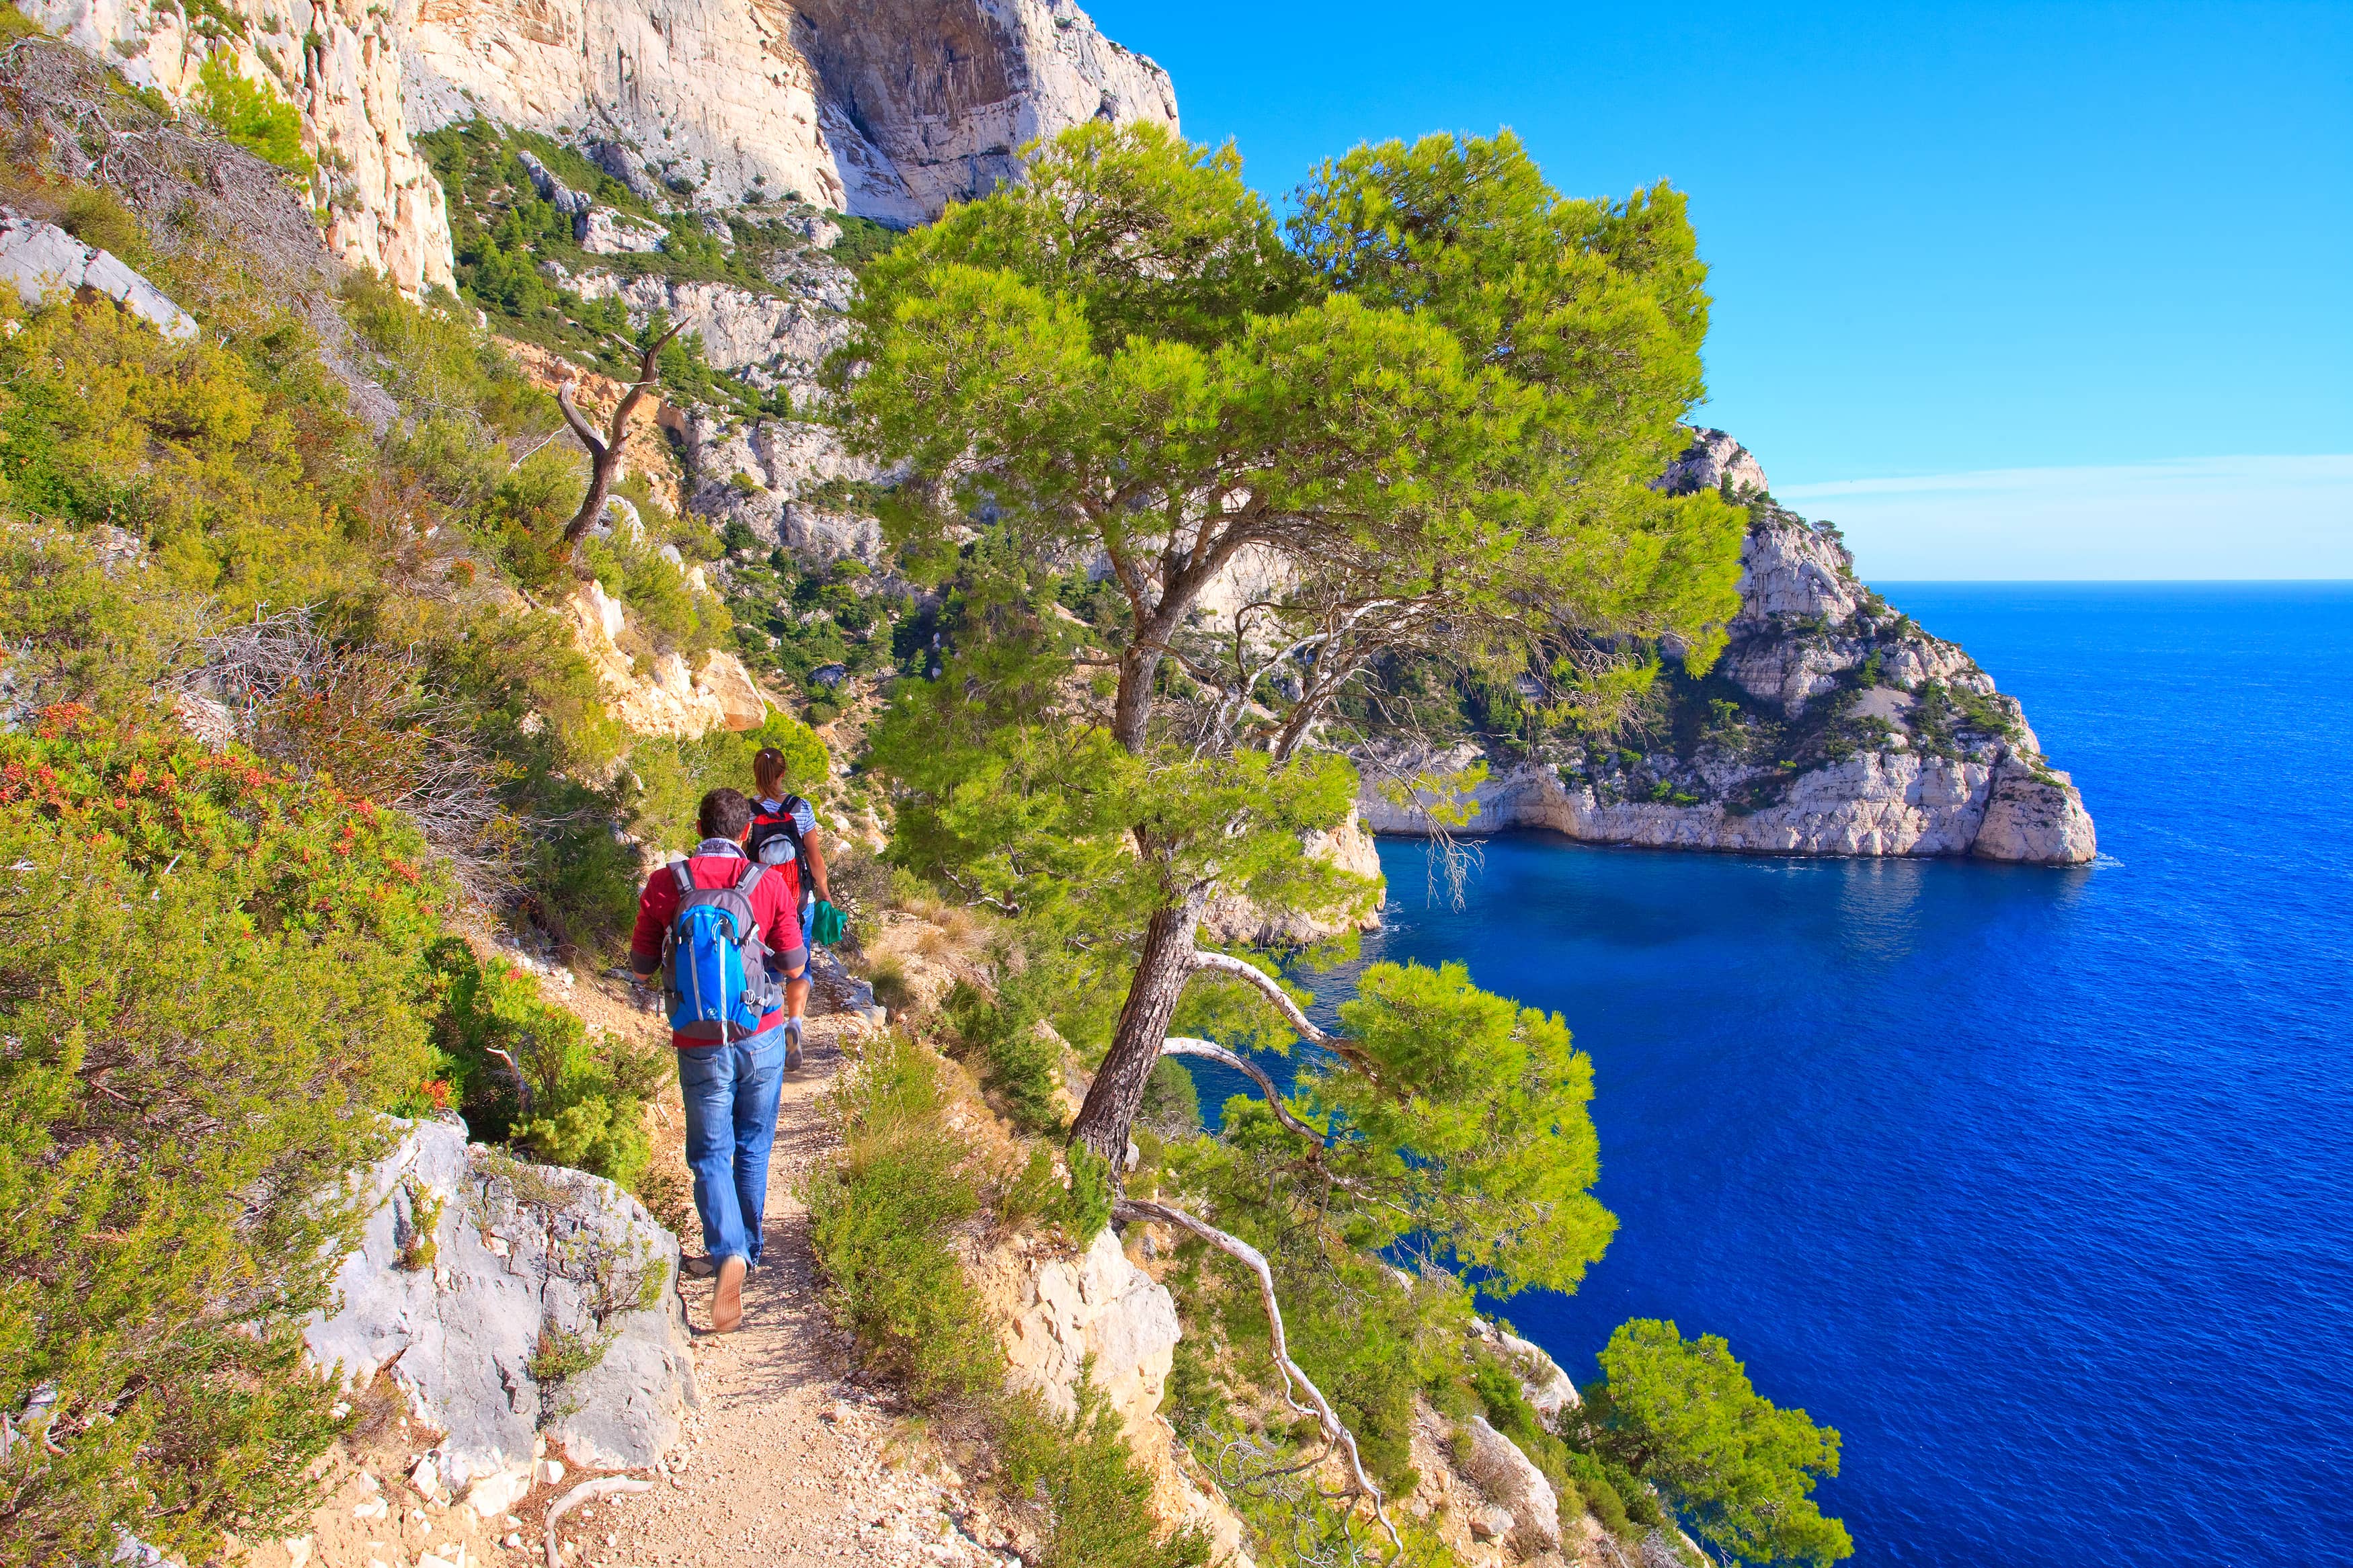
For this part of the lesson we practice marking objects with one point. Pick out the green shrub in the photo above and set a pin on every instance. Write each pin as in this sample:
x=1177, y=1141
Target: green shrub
x=529, y=1073
x=1172, y=1102
x=862, y=239
x=1089, y=1208
x=1600, y=1497
x=234, y=474
x=880, y=1222
x=249, y=114
x=213, y=982
x=667, y=607
x=1097, y=1499
x=673, y=774
x=1680, y=1414
x=1016, y=1059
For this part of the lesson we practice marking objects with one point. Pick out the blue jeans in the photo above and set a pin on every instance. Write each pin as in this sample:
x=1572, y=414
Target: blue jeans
x=730, y=1093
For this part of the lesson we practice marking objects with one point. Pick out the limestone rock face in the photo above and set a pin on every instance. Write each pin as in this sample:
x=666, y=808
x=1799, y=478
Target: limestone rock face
x=2034, y=816
x=771, y=339
x=1057, y=1311
x=1547, y=1387
x=1233, y=920
x=338, y=62
x=472, y=1262
x=670, y=697
x=1512, y=1484
x=888, y=110
x=43, y=260
x=1832, y=725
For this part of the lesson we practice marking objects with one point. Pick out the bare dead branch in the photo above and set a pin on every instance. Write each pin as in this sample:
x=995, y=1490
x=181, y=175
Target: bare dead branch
x=1269, y=987
x=1249, y=1257
x=605, y=455
x=1209, y=1050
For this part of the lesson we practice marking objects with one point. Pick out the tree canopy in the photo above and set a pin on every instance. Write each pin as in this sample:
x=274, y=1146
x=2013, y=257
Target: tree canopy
x=1420, y=424
x=1681, y=1414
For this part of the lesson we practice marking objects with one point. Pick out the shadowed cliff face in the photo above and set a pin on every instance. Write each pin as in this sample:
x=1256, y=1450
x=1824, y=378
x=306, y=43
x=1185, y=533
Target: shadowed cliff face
x=896, y=66
x=947, y=90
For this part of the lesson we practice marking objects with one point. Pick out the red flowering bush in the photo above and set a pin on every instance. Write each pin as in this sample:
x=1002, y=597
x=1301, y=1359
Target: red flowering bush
x=211, y=979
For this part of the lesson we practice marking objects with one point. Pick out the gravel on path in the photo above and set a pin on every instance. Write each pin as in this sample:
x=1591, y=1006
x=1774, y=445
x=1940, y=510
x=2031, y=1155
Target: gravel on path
x=788, y=1461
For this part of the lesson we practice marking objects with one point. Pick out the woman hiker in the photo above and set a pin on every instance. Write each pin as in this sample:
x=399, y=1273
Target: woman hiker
x=785, y=838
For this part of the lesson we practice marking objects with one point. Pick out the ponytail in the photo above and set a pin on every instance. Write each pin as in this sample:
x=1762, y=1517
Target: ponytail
x=768, y=770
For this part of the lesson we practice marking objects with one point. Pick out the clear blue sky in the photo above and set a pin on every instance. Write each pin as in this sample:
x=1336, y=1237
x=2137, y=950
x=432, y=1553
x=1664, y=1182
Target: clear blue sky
x=1948, y=242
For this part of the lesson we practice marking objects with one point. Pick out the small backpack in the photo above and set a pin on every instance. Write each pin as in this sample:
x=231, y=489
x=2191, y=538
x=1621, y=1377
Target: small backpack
x=714, y=966
x=776, y=836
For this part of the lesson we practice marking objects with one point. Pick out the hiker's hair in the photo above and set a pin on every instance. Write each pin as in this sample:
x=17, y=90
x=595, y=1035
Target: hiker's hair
x=723, y=814
x=768, y=770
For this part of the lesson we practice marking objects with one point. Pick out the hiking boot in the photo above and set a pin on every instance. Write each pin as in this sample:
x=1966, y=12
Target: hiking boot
x=727, y=1304
x=792, y=1045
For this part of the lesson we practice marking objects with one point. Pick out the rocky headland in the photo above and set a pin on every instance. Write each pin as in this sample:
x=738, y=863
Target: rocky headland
x=1833, y=724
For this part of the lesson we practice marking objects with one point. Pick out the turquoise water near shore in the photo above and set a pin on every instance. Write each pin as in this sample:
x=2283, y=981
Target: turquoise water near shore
x=2037, y=1184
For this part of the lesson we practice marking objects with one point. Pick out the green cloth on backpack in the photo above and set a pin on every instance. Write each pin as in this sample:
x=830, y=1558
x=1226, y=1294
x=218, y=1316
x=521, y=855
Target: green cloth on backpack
x=826, y=924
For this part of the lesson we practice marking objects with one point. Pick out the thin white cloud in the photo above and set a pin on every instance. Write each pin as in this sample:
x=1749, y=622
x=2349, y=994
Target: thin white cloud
x=2196, y=518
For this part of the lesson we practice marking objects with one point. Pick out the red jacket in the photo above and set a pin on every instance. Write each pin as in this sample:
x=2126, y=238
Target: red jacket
x=715, y=863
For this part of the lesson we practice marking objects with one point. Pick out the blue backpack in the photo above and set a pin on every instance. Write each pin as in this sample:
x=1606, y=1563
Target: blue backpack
x=714, y=966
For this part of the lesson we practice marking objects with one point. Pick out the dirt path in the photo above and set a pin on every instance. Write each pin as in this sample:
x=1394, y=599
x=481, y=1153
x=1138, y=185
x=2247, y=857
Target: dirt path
x=788, y=1460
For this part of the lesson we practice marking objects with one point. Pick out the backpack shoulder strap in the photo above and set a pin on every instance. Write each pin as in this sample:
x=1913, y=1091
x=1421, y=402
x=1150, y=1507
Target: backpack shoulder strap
x=749, y=878
x=682, y=874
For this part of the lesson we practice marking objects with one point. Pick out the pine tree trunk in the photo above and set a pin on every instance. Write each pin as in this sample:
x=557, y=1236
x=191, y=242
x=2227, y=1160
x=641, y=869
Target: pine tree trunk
x=1167, y=963
x=1138, y=666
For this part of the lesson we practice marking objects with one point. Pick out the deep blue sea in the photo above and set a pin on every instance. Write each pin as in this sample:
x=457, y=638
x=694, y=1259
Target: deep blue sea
x=2037, y=1185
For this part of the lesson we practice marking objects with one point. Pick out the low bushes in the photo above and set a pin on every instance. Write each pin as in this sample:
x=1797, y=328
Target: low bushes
x=209, y=981
x=880, y=1222
x=884, y=1218
x=528, y=1073
x=672, y=774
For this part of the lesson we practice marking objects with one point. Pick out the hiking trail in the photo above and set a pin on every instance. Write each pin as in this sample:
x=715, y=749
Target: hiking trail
x=787, y=1459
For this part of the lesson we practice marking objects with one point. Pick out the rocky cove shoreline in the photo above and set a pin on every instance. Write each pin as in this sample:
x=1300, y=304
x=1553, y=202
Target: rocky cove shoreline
x=1832, y=724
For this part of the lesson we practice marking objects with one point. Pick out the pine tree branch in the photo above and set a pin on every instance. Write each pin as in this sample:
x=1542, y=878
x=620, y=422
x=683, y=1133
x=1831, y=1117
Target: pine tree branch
x=1272, y=990
x=1185, y=1046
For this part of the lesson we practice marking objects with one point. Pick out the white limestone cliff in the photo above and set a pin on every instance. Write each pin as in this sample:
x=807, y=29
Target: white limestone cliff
x=335, y=60
x=887, y=110
x=1841, y=727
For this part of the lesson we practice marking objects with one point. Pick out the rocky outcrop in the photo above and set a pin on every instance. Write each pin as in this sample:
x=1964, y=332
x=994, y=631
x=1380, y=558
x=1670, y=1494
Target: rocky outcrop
x=1058, y=1312
x=770, y=340
x=1714, y=461
x=1521, y=1507
x=768, y=473
x=889, y=111
x=1832, y=724
x=337, y=62
x=521, y=1309
x=44, y=261
x=1233, y=920
x=660, y=693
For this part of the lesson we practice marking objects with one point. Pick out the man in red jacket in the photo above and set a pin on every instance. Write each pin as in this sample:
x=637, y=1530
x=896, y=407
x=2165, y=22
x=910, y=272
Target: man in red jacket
x=730, y=1090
